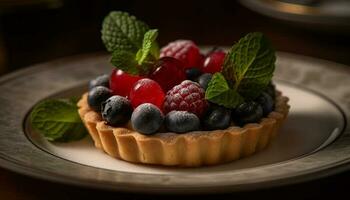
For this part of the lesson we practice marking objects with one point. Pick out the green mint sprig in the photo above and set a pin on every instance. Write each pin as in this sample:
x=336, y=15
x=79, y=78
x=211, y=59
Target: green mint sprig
x=219, y=92
x=58, y=120
x=140, y=62
x=121, y=31
x=134, y=47
x=149, y=47
x=247, y=70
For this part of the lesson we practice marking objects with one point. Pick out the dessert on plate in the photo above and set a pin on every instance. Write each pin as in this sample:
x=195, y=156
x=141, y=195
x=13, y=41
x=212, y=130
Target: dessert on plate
x=176, y=106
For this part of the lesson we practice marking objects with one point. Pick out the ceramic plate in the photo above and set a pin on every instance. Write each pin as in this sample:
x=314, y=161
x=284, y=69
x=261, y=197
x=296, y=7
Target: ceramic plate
x=314, y=141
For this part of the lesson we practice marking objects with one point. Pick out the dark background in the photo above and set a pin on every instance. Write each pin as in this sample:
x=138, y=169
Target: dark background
x=33, y=31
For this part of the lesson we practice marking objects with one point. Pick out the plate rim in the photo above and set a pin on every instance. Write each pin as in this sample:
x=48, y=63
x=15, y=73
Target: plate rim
x=13, y=166
x=319, y=148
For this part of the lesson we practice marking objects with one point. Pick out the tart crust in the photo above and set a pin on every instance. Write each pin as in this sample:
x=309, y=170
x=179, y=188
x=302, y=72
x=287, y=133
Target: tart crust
x=192, y=149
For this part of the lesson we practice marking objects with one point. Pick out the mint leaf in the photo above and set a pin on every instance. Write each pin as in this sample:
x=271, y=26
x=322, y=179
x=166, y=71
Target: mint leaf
x=140, y=62
x=126, y=61
x=154, y=51
x=58, y=120
x=73, y=100
x=121, y=31
x=249, y=65
x=133, y=46
x=149, y=47
x=219, y=92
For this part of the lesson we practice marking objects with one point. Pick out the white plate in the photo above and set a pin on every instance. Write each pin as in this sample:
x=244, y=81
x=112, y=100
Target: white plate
x=308, y=128
x=312, y=143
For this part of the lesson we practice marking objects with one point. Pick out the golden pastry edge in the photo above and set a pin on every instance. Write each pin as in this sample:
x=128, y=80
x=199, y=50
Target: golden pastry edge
x=193, y=149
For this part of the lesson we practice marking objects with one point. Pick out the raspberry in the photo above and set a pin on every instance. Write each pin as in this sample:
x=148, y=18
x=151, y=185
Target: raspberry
x=187, y=96
x=168, y=73
x=146, y=91
x=184, y=50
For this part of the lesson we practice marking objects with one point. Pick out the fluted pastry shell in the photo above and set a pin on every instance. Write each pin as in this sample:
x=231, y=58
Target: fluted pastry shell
x=192, y=149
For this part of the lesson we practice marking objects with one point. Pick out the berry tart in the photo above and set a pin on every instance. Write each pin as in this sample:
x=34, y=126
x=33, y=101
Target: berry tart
x=175, y=106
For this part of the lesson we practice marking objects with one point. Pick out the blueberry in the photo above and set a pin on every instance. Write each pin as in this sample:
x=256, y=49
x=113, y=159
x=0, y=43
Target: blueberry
x=217, y=117
x=102, y=80
x=266, y=102
x=97, y=95
x=116, y=110
x=271, y=90
x=204, y=80
x=193, y=73
x=181, y=121
x=248, y=112
x=147, y=118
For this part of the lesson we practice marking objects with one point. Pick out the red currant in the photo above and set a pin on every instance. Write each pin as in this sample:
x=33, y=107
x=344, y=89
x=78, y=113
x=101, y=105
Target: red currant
x=184, y=50
x=169, y=72
x=121, y=83
x=213, y=62
x=147, y=91
x=200, y=62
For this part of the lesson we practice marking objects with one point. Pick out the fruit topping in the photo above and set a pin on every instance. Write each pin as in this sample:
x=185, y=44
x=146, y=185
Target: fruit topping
x=217, y=117
x=248, y=112
x=168, y=73
x=102, y=80
x=213, y=62
x=193, y=73
x=247, y=70
x=181, y=121
x=147, y=118
x=184, y=50
x=200, y=61
x=97, y=95
x=146, y=91
x=187, y=96
x=271, y=90
x=204, y=80
x=121, y=82
x=266, y=102
x=116, y=110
